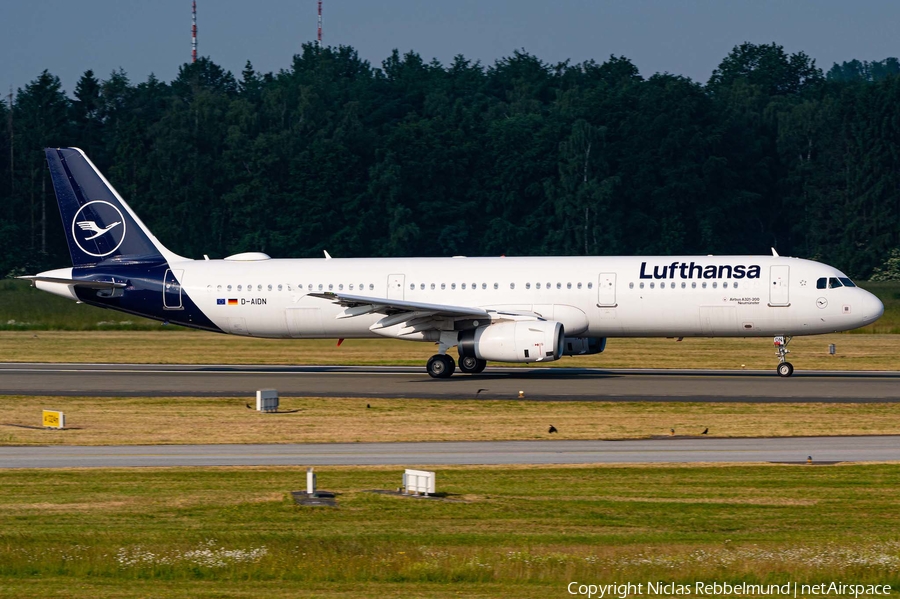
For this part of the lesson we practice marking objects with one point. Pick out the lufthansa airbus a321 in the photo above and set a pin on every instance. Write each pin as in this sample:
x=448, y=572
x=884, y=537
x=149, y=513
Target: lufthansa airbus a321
x=529, y=309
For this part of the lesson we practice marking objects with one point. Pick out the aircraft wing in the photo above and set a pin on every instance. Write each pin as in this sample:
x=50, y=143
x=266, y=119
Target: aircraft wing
x=76, y=282
x=357, y=305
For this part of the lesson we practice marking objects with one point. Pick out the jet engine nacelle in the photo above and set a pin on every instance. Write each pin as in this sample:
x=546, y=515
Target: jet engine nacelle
x=517, y=341
x=583, y=346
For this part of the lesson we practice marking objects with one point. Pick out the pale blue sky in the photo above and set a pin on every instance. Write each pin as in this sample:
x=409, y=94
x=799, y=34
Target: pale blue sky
x=686, y=37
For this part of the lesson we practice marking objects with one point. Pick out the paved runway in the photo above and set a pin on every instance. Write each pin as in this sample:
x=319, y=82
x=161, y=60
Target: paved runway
x=413, y=382
x=884, y=448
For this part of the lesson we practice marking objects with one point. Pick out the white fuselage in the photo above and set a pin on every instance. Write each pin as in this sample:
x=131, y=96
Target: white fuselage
x=591, y=296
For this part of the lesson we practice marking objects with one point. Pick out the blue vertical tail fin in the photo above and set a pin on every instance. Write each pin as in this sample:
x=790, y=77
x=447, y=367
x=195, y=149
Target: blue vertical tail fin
x=99, y=225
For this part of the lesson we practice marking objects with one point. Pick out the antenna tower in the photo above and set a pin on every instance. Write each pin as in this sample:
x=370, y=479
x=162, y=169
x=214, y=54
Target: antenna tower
x=12, y=164
x=194, y=32
x=319, y=38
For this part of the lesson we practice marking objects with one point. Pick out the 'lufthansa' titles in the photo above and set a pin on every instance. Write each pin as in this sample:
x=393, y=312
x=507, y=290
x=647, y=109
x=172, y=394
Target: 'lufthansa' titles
x=691, y=270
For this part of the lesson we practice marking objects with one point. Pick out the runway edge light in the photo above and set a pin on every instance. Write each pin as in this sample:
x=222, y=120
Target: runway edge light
x=310, y=482
x=54, y=419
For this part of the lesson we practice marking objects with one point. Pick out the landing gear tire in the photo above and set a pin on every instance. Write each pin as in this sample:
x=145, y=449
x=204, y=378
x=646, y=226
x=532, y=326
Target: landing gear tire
x=471, y=365
x=785, y=369
x=440, y=366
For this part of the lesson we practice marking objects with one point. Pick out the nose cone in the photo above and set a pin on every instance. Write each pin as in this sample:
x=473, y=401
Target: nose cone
x=872, y=308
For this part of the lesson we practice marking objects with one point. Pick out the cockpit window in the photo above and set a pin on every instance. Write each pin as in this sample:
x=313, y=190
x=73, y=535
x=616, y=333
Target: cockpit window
x=833, y=283
x=822, y=283
x=847, y=282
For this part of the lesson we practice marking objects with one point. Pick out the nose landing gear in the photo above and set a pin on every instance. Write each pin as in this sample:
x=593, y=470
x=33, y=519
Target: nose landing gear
x=785, y=368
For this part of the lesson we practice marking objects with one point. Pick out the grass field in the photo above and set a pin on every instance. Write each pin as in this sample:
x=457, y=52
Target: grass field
x=154, y=420
x=23, y=308
x=854, y=352
x=510, y=532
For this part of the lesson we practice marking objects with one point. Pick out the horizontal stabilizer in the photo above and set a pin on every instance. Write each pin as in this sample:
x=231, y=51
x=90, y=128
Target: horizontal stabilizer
x=76, y=282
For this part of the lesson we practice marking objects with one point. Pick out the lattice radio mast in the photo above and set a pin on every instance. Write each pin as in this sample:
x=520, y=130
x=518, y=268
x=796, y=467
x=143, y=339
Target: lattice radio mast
x=194, y=32
x=319, y=38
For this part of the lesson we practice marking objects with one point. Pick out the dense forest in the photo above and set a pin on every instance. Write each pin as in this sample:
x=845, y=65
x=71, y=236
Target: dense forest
x=521, y=157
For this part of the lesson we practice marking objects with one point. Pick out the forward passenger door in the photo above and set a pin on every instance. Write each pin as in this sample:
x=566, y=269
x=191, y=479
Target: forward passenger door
x=779, y=285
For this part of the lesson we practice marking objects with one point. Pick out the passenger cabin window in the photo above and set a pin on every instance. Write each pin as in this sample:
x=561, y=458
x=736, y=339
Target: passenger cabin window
x=630, y=285
x=538, y=285
x=527, y=285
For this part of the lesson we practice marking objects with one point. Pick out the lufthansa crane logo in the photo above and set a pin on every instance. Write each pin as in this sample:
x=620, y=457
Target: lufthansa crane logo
x=98, y=228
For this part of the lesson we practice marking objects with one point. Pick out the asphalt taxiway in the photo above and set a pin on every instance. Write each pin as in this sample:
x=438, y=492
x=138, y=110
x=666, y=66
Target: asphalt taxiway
x=793, y=450
x=582, y=384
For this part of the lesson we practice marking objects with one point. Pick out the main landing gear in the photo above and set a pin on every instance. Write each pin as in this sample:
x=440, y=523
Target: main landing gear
x=440, y=366
x=471, y=365
x=785, y=368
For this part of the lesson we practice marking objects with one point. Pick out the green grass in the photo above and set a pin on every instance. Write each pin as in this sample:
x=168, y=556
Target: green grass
x=507, y=532
x=23, y=308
